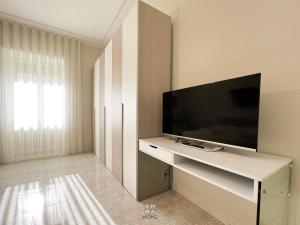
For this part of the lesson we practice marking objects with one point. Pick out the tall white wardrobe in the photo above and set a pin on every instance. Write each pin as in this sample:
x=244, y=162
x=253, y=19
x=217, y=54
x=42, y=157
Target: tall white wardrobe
x=108, y=107
x=136, y=73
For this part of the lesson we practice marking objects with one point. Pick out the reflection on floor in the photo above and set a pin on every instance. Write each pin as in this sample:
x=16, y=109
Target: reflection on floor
x=79, y=190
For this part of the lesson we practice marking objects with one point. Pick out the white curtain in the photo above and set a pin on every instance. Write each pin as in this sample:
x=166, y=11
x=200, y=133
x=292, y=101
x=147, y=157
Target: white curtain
x=40, y=94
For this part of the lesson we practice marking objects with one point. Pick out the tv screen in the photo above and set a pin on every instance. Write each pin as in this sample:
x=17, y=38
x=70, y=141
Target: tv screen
x=224, y=112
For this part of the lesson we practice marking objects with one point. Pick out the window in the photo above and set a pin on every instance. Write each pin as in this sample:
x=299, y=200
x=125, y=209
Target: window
x=25, y=105
x=38, y=105
x=53, y=106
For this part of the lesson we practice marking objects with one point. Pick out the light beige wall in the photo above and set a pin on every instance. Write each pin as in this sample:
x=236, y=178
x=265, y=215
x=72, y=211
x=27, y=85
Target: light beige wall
x=215, y=40
x=165, y=6
x=88, y=56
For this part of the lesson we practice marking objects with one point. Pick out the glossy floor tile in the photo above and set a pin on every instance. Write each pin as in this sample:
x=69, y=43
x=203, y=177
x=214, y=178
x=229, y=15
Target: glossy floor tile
x=79, y=190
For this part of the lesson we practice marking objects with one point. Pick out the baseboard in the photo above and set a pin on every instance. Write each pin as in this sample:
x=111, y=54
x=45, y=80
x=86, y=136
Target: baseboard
x=220, y=216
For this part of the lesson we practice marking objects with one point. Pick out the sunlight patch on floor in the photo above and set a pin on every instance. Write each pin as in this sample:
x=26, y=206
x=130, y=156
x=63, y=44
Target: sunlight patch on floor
x=61, y=200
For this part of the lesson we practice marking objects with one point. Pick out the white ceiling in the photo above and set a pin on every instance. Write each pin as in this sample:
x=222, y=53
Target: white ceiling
x=91, y=19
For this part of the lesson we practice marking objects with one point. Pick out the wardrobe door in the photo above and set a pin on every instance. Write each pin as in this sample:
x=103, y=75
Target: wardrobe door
x=108, y=106
x=129, y=99
x=102, y=108
x=117, y=107
x=96, y=101
x=154, y=79
x=98, y=112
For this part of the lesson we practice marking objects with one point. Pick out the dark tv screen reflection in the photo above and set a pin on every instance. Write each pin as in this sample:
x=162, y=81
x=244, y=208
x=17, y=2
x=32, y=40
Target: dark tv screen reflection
x=224, y=112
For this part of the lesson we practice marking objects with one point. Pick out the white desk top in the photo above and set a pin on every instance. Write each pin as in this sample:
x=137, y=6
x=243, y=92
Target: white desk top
x=253, y=165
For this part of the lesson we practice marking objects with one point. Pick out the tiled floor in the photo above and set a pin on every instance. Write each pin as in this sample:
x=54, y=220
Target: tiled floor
x=79, y=190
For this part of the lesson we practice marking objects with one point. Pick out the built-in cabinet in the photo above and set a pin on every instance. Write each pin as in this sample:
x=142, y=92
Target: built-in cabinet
x=107, y=95
x=108, y=107
x=136, y=73
x=145, y=76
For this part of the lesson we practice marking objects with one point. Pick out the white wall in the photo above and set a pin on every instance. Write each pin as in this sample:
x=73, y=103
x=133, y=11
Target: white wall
x=215, y=40
x=89, y=55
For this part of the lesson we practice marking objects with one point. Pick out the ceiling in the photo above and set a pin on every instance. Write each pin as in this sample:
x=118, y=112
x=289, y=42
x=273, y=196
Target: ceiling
x=92, y=20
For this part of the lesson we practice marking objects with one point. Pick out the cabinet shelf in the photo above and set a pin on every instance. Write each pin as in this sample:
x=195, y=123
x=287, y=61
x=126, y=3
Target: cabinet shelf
x=238, y=185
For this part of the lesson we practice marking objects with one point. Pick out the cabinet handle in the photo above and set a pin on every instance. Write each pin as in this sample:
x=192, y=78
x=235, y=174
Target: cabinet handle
x=122, y=116
x=152, y=146
x=104, y=108
x=122, y=122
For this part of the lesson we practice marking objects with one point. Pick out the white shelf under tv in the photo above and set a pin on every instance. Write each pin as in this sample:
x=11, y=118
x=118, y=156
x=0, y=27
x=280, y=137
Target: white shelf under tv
x=238, y=172
x=235, y=184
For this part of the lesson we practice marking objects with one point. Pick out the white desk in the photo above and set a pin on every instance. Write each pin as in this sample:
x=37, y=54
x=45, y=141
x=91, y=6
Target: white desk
x=240, y=172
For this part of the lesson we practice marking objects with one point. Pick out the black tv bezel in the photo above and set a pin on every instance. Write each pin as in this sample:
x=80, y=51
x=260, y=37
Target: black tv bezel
x=219, y=143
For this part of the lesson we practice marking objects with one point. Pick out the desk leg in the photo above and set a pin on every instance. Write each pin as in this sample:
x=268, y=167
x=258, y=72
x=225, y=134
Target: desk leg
x=273, y=199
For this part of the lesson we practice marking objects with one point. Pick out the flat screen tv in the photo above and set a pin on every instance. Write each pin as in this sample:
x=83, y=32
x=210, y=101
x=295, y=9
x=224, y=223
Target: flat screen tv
x=224, y=112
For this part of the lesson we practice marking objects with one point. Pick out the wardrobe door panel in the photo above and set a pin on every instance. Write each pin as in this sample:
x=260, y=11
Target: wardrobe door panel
x=108, y=107
x=129, y=99
x=101, y=108
x=154, y=79
x=117, y=126
x=96, y=102
x=154, y=68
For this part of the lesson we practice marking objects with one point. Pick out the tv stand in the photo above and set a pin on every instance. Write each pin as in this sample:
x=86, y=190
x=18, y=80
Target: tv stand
x=262, y=179
x=198, y=145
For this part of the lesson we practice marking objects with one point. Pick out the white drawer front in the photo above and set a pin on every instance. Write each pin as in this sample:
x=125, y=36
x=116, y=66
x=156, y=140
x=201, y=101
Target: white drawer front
x=156, y=152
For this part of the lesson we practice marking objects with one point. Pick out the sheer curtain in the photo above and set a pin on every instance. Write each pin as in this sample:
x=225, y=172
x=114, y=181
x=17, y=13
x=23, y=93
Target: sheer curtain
x=40, y=94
